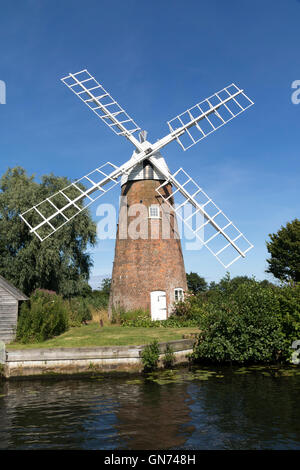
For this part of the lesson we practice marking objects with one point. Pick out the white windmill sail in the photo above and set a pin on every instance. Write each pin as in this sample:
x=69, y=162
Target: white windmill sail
x=187, y=128
x=86, y=87
x=48, y=216
x=198, y=122
x=220, y=236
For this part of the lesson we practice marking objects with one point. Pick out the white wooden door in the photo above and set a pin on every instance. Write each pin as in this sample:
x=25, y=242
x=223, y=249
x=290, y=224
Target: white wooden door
x=158, y=305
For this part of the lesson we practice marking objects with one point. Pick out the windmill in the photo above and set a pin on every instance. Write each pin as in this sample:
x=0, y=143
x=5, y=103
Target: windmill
x=148, y=272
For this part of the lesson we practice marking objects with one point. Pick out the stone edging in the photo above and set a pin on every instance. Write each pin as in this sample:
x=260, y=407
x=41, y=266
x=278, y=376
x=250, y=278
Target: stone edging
x=29, y=362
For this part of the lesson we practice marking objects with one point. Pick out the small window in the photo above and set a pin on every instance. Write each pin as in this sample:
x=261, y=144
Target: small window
x=179, y=295
x=154, y=211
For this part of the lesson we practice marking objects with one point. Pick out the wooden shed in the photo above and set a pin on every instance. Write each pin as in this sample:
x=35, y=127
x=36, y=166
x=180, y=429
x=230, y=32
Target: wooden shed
x=10, y=297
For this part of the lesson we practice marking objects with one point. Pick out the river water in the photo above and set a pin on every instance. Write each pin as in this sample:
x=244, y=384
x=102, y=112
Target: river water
x=200, y=408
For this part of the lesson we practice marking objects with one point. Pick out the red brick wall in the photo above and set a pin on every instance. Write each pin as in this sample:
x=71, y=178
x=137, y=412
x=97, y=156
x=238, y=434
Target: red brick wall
x=149, y=264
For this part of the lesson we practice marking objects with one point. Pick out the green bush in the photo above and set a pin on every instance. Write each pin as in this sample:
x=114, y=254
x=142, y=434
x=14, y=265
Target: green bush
x=141, y=321
x=289, y=301
x=117, y=313
x=190, y=307
x=150, y=356
x=42, y=318
x=182, y=308
x=134, y=315
x=179, y=322
x=172, y=322
x=130, y=317
x=242, y=326
x=98, y=299
x=79, y=311
x=169, y=357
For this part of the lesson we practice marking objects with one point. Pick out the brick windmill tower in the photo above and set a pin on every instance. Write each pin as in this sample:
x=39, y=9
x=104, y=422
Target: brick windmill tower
x=148, y=269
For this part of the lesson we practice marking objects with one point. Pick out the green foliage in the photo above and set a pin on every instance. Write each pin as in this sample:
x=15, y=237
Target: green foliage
x=194, y=306
x=196, y=283
x=60, y=263
x=228, y=285
x=150, y=356
x=284, y=248
x=79, y=311
x=98, y=299
x=240, y=320
x=137, y=318
x=182, y=308
x=142, y=319
x=169, y=357
x=132, y=315
x=179, y=322
x=43, y=317
x=106, y=285
x=243, y=327
x=289, y=301
x=189, y=308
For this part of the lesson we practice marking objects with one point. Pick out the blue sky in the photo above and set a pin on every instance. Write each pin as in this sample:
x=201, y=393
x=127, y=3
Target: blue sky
x=157, y=59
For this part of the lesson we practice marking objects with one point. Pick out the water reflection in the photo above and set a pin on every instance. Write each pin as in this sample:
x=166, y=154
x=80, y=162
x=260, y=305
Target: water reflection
x=225, y=410
x=252, y=411
x=155, y=417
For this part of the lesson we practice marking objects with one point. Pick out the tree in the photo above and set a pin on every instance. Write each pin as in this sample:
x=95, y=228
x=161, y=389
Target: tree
x=106, y=285
x=59, y=263
x=266, y=283
x=196, y=283
x=213, y=285
x=228, y=284
x=284, y=248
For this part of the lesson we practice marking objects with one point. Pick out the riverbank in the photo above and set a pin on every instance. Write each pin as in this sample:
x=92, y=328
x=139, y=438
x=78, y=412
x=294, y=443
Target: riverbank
x=93, y=334
x=83, y=360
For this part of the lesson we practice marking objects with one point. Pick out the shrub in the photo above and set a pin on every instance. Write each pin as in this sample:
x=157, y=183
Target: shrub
x=134, y=315
x=79, y=311
x=289, y=301
x=44, y=316
x=189, y=308
x=138, y=317
x=172, y=322
x=182, y=308
x=117, y=313
x=179, y=322
x=150, y=356
x=98, y=299
x=169, y=357
x=242, y=327
x=143, y=321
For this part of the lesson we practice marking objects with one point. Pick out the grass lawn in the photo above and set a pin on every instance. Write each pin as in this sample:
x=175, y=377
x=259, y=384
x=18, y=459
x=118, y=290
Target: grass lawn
x=113, y=335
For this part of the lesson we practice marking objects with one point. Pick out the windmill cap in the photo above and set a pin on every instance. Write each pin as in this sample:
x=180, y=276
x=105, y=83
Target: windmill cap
x=144, y=170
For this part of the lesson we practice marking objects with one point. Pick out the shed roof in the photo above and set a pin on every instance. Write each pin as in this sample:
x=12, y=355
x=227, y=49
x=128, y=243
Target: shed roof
x=16, y=293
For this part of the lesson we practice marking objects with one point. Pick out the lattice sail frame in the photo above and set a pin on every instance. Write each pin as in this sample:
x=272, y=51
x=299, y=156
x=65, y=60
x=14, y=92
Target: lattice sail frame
x=94, y=95
x=187, y=128
x=217, y=232
x=52, y=213
x=209, y=115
